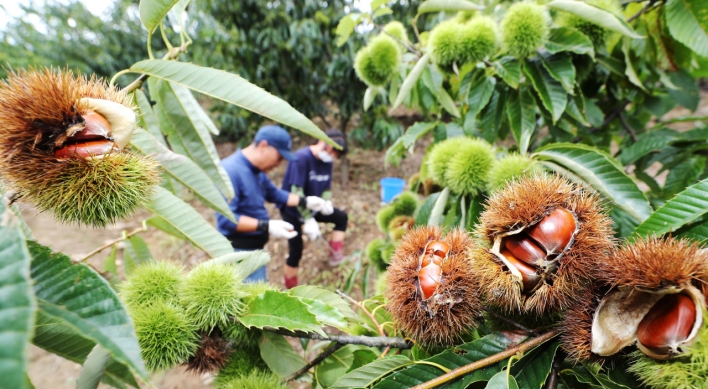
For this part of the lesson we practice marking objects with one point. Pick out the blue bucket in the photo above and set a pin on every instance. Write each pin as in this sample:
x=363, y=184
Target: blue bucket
x=391, y=187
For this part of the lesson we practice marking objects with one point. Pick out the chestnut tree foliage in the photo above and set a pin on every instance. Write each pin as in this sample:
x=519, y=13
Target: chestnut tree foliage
x=585, y=98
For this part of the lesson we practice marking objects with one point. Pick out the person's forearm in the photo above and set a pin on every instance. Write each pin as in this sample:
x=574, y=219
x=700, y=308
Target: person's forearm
x=246, y=224
x=294, y=200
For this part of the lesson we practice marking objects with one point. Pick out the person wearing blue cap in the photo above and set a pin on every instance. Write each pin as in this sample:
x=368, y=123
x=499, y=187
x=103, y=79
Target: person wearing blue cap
x=247, y=170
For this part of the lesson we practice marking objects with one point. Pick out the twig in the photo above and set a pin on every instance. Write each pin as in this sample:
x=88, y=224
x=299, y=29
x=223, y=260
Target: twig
x=552, y=381
x=400, y=41
x=414, y=23
x=371, y=341
x=512, y=322
x=334, y=347
x=143, y=228
x=171, y=54
x=373, y=319
x=627, y=127
x=460, y=371
x=641, y=11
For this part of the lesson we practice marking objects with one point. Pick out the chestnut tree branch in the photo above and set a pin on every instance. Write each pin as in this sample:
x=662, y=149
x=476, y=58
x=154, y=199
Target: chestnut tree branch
x=334, y=347
x=371, y=341
x=460, y=371
x=400, y=41
x=143, y=228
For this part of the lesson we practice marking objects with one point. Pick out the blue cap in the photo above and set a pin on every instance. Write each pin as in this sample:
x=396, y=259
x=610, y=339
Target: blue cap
x=277, y=137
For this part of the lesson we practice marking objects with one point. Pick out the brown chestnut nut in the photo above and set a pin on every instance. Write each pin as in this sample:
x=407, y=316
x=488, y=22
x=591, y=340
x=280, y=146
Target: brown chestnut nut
x=554, y=231
x=96, y=127
x=430, y=272
x=524, y=249
x=86, y=149
x=529, y=276
x=667, y=324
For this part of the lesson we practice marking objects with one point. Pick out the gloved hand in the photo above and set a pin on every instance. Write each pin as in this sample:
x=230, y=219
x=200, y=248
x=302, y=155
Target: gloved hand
x=281, y=229
x=319, y=204
x=311, y=229
x=120, y=117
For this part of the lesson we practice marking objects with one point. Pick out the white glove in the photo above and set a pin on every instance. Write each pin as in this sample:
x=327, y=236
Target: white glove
x=281, y=229
x=320, y=205
x=120, y=117
x=311, y=229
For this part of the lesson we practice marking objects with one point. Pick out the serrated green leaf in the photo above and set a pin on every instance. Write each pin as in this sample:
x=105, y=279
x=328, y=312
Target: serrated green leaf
x=336, y=365
x=568, y=39
x=698, y=233
x=164, y=226
x=232, y=89
x=184, y=170
x=493, y=115
x=521, y=109
x=440, y=93
x=136, y=252
x=109, y=264
x=180, y=121
x=251, y=263
x=421, y=219
x=447, y=6
x=183, y=218
x=502, y=380
x=551, y=92
x=415, y=132
x=684, y=174
x=509, y=69
x=153, y=11
x=646, y=143
x=595, y=15
x=345, y=27
x=280, y=310
x=560, y=67
x=532, y=370
x=325, y=313
x=411, y=80
x=576, y=108
x=146, y=118
x=93, y=369
x=451, y=359
x=683, y=208
x=688, y=23
x=327, y=297
x=372, y=372
x=602, y=173
x=628, y=67
x=17, y=301
x=83, y=300
x=279, y=355
x=436, y=214
x=480, y=93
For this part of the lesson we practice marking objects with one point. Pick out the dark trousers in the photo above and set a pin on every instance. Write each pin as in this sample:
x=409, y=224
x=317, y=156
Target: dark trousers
x=338, y=218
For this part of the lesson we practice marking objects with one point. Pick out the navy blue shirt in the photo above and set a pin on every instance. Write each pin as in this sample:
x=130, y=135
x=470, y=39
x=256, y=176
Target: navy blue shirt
x=308, y=173
x=251, y=189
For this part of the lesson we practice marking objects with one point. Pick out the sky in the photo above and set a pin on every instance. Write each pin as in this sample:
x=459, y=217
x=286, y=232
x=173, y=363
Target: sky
x=10, y=9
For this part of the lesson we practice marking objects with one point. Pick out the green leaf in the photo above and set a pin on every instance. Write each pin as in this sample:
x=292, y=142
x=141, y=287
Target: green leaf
x=382, y=12
x=362, y=357
x=532, y=370
x=493, y=115
x=137, y=250
x=164, y=226
x=502, y=380
x=436, y=214
x=685, y=207
x=279, y=355
x=232, y=89
x=146, y=118
x=628, y=67
x=58, y=337
x=521, y=109
x=602, y=173
x=684, y=174
x=187, y=134
x=109, y=265
x=551, y=92
x=183, y=170
x=250, y=263
x=688, y=23
x=576, y=108
x=335, y=366
x=280, y=310
x=17, y=302
x=325, y=313
x=440, y=93
x=185, y=219
x=93, y=368
x=83, y=300
x=595, y=15
x=411, y=80
x=480, y=94
x=509, y=70
x=687, y=93
x=415, y=132
x=153, y=11
x=447, y=6
x=560, y=67
x=327, y=297
x=698, y=232
x=646, y=143
x=451, y=359
x=369, y=97
x=421, y=219
x=568, y=39
x=368, y=374
x=346, y=27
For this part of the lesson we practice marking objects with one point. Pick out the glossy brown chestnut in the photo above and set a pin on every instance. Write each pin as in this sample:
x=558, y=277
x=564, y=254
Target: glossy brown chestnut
x=524, y=249
x=430, y=272
x=96, y=128
x=86, y=149
x=668, y=323
x=554, y=231
x=529, y=276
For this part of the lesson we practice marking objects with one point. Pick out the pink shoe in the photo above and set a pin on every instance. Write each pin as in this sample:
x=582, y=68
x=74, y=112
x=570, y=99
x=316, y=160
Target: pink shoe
x=290, y=282
x=336, y=254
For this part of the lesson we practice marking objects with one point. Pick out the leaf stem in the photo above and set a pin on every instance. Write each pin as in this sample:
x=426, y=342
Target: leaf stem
x=334, y=347
x=373, y=319
x=400, y=41
x=124, y=236
x=641, y=11
x=371, y=341
x=460, y=371
x=171, y=54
